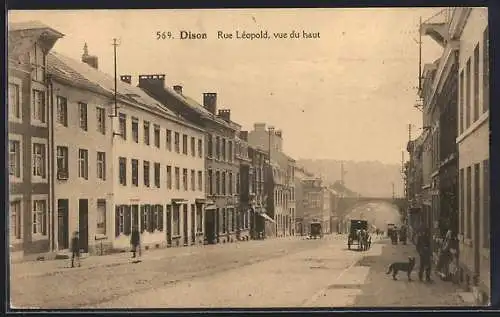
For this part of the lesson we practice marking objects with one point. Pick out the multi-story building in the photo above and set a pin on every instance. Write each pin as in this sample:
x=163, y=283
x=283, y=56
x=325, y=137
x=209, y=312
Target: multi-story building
x=29, y=131
x=221, y=167
x=316, y=204
x=414, y=182
x=286, y=195
x=334, y=216
x=261, y=184
x=470, y=27
x=245, y=186
x=299, y=175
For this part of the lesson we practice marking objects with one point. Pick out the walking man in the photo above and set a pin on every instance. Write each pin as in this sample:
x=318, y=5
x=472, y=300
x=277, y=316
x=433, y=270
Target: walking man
x=135, y=241
x=424, y=251
x=75, y=249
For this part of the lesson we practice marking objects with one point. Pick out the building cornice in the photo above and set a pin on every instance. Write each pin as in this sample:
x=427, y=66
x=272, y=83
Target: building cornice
x=458, y=21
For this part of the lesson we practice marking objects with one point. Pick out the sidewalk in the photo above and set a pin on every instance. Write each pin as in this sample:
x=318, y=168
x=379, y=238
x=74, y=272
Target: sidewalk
x=380, y=290
x=53, y=267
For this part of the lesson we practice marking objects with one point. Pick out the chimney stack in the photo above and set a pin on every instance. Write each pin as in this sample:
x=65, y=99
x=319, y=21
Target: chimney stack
x=210, y=102
x=90, y=60
x=259, y=126
x=178, y=89
x=225, y=114
x=126, y=79
x=279, y=134
x=154, y=83
x=244, y=135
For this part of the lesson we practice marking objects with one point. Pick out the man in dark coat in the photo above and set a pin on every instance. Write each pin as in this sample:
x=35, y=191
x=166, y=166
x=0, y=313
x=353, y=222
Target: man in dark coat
x=75, y=249
x=425, y=253
x=135, y=241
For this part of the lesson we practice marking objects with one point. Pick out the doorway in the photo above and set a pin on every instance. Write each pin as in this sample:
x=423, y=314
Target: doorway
x=83, y=226
x=210, y=226
x=169, y=225
x=193, y=224
x=185, y=224
x=62, y=224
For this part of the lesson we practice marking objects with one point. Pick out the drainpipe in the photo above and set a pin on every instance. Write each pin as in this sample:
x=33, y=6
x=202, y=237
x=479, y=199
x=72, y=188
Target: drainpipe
x=52, y=165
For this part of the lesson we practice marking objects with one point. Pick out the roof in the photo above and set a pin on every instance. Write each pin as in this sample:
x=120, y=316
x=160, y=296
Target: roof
x=31, y=25
x=62, y=66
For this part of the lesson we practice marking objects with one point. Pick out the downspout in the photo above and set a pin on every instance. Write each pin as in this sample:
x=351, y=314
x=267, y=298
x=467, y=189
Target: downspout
x=52, y=165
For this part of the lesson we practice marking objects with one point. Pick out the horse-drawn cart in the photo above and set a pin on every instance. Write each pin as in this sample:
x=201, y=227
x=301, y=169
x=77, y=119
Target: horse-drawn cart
x=358, y=234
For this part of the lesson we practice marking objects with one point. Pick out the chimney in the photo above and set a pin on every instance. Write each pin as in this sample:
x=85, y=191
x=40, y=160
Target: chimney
x=91, y=60
x=152, y=83
x=178, y=89
x=244, y=135
x=259, y=126
x=225, y=114
x=126, y=79
x=279, y=134
x=210, y=101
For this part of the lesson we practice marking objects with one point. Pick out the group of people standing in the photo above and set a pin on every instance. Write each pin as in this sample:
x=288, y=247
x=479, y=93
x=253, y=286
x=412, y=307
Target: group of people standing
x=135, y=243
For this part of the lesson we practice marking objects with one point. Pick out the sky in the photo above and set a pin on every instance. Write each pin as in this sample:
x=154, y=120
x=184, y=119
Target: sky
x=347, y=95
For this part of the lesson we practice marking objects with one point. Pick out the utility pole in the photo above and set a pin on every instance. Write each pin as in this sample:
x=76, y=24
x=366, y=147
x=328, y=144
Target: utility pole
x=420, y=55
x=409, y=132
x=342, y=173
x=393, y=195
x=115, y=44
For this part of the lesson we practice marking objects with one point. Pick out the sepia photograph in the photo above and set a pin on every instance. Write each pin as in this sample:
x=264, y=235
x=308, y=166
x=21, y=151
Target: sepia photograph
x=248, y=158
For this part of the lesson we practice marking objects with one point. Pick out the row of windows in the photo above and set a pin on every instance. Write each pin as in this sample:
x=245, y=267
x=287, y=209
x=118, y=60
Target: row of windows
x=150, y=218
x=38, y=159
x=223, y=183
x=220, y=149
x=230, y=220
x=196, y=177
x=38, y=220
x=62, y=163
x=475, y=201
x=469, y=80
x=195, y=147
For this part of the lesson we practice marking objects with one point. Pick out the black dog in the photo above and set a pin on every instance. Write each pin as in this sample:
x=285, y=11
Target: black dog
x=402, y=266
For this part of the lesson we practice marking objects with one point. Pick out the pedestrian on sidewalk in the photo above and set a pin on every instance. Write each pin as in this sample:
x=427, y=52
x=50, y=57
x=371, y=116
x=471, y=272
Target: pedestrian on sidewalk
x=424, y=251
x=135, y=241
x=75, y=249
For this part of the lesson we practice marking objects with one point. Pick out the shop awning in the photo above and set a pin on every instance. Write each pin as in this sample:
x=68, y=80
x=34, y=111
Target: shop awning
x=179, y=201
x=265, y=216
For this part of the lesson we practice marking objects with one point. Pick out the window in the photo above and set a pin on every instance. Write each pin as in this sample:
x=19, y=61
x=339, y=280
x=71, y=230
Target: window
x=135, y=129
x=200, y=148
x=210, y=183
x=217, y=147
x=40, y=217
x=37, y=60
x=101, y=165
x=223, y=185
x=122, y=163
x=177, y=142
x=157, y=135
x=233, y=220
x=177, y=178
x=217, y=183
x=146, y=132
x=475, y=82
x=62, y=162
x=237, y=183
x=184, y=144
x=123, y=125
x=159, y=218
x=135, y=172
x=14, y=104
x=101, y=217
x=39, y=160
x=468, y=207
x=101, y=120
x=467, y=94
x=224, y=220
x=15, y=219
x=176, y=221
x=193, y=180
x=38, y=106
x=157, y=174
x=83, y=163
x=146, y=173
x=185, y=178
x=15, y=158
x=200, y=180
x=210, y=146
x=123, y=220
x=82, y=110
x=486, y=204
x=230, y=145
x=486, y=71
x=62, y=111
x=169, y=177
x=169, y=140
x=199, y=220
x=230, y=189
x=224, y=149
x=193, y=146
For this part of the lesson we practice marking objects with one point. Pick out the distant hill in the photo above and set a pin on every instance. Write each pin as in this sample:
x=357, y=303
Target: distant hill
x=368, y=178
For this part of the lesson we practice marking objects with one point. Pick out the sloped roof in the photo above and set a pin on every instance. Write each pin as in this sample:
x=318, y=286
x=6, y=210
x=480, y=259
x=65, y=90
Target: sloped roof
x=30, y=25
x=82, y=73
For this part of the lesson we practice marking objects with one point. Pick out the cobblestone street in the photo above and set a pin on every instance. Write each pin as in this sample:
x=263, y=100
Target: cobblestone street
x=310, y=273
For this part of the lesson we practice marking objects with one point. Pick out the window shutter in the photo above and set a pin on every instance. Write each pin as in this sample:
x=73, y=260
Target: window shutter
x=160, y=225
x=44, y=223
x=127, y=220
x=143, y=223
x=117, y=221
